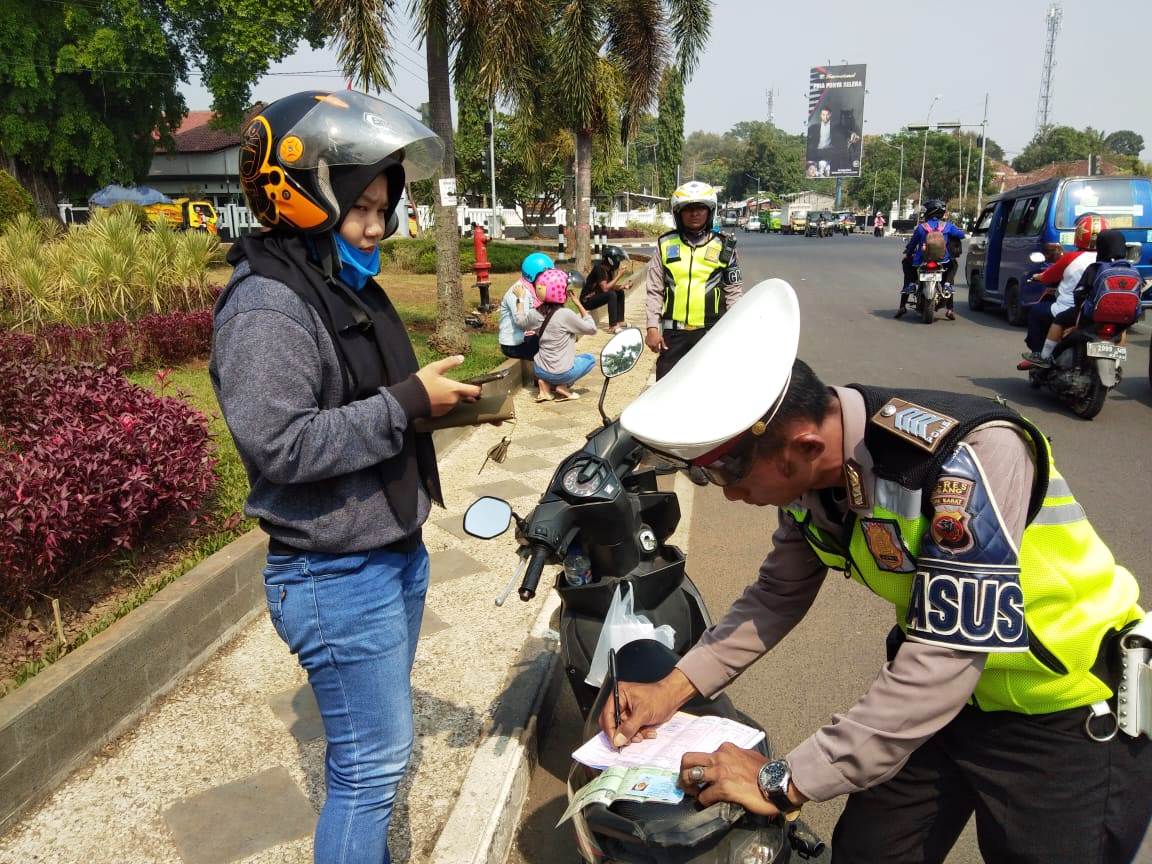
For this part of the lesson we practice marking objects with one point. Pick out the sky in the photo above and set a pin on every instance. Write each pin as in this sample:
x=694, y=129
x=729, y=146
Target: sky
x=983, y=46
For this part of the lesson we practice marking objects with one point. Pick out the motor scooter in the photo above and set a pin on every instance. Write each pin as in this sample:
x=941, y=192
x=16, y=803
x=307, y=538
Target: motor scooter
x=1086, y=363
x=932, y=292
x=606, y=524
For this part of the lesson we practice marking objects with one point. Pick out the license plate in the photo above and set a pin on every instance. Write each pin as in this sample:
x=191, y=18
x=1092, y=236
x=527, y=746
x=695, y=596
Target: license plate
x=931, y=277
x=1107, y=349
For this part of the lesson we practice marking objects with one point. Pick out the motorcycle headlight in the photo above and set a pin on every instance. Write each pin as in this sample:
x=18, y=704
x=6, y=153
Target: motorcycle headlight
x=761, y=847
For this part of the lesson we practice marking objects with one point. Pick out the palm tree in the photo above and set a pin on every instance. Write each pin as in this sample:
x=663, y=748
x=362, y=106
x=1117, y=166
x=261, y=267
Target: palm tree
x=592, y=65
x=361, y=30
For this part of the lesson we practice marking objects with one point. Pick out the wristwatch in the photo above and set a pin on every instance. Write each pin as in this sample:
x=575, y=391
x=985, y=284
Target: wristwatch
x=773, y=781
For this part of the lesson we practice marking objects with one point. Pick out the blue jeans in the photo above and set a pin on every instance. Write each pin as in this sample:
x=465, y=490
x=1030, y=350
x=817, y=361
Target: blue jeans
x=352, y=621
x=581, y=365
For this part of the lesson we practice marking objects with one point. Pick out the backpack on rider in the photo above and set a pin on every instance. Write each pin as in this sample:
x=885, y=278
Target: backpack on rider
x=1114, y=297
x=935, y=243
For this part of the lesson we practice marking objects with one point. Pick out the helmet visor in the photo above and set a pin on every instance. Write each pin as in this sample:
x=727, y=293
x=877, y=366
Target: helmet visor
x=352, y=128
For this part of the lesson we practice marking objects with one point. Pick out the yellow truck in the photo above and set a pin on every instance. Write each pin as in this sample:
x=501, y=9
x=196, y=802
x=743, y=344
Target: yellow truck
x=185, y=214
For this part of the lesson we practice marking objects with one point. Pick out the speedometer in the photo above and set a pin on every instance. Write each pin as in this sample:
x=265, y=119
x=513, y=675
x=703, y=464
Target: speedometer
x=580, y=482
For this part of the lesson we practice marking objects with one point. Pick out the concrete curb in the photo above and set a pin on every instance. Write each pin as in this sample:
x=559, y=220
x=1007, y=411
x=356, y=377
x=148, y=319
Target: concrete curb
x=53, y=723
x=482, y=825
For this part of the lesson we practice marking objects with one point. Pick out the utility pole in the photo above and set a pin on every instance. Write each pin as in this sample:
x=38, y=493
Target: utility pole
x=492, y=164
x=983, y=150
x=1052, y=21
x=924, y=150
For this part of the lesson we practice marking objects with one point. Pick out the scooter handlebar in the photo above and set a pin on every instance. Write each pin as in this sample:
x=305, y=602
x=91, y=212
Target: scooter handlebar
x=532, y=573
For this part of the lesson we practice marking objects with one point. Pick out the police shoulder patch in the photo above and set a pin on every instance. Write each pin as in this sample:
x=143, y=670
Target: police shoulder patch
x=967, y=593
x=921, y=426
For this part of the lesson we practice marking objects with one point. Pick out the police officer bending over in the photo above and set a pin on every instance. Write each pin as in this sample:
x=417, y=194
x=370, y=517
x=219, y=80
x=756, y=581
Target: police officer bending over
x=693, y=278
x=998, y=696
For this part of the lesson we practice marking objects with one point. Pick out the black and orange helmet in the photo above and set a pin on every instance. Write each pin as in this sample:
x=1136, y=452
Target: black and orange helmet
x=298, y=152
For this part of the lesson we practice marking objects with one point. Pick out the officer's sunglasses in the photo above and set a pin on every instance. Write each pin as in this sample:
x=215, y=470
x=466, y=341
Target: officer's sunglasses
x=734, y=465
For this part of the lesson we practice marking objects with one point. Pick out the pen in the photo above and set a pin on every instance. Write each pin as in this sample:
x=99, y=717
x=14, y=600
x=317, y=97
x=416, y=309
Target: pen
x=615, y=685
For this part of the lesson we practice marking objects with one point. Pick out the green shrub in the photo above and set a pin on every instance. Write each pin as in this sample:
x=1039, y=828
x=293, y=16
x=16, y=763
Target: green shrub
x=647, y=229
x=136, y=211
x=14, y=199
x=106, y=270
x=404, y=255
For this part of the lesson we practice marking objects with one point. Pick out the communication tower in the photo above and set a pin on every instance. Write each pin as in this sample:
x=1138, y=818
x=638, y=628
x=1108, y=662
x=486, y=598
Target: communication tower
x=1052, y=22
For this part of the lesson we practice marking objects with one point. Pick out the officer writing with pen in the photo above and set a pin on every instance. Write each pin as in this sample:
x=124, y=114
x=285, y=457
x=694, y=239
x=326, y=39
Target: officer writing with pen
x=1000, y=697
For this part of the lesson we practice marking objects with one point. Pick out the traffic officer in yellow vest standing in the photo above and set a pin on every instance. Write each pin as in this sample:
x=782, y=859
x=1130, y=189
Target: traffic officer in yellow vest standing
x=999, y=697
x=693, y=278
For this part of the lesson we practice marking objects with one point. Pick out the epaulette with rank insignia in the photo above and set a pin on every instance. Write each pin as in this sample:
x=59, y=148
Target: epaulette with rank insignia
x=913, y=423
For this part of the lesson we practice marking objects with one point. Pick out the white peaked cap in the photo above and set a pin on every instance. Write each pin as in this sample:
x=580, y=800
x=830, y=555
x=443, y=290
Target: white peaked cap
x=729, y=380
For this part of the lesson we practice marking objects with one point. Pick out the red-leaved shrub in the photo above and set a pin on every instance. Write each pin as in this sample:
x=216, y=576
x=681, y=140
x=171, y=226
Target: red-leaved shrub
x=167, y=339
x=89, y=462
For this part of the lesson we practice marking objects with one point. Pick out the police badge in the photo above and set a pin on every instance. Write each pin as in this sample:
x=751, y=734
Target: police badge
x=949, y=527
x=882, y=536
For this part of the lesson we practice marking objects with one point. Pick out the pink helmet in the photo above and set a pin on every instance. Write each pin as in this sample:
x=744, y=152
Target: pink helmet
x=552, y=285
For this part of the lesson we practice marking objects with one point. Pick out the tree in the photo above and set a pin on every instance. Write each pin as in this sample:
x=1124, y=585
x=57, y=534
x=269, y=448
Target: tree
x=1059, y=144
x=85, y=87
x=471, y=139
x=594, y=64
x=1125, y=142
x=361, y=30
x=670, y=129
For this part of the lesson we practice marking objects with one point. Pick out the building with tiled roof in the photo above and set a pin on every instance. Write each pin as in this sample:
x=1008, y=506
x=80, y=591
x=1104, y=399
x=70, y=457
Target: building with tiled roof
x=203, y=162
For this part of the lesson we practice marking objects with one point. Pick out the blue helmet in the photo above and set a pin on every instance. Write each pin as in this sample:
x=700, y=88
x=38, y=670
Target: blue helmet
x=534, y=265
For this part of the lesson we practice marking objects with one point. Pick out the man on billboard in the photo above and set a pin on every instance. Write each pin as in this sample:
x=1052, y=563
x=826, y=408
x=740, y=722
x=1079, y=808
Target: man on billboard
x=831, y=142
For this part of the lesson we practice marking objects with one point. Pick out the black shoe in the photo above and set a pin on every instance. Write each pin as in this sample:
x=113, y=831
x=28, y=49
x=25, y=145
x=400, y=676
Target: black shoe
x=1036, y=360
x=901, y=312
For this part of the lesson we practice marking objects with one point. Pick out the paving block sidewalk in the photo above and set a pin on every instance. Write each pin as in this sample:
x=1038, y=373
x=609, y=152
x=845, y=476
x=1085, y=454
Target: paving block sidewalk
x=228, y=767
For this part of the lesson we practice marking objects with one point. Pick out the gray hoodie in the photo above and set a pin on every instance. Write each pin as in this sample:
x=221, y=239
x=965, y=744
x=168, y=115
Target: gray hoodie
x=311, y=461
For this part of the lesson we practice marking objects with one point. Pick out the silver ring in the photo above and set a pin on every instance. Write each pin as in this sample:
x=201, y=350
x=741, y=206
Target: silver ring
x=696, y=773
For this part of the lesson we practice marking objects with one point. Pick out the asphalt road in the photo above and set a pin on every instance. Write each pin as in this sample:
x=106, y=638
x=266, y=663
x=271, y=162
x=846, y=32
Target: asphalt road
x=848, y=291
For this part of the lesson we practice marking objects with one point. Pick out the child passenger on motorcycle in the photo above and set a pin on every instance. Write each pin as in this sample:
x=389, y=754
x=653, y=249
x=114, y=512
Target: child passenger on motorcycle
x=1048, y=318
x=1110, y=246
x=934, y=222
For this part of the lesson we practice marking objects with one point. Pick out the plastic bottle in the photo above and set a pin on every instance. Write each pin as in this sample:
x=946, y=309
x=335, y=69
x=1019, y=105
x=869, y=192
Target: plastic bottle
x=577, y=567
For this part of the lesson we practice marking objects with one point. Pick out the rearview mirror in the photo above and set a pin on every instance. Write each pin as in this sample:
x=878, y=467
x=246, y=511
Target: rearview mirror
x=1036, y=258
x=622, y=352
x=1133, y=252
x=487, y=517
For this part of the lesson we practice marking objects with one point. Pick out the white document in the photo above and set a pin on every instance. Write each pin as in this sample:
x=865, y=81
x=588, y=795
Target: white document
x=684, y=733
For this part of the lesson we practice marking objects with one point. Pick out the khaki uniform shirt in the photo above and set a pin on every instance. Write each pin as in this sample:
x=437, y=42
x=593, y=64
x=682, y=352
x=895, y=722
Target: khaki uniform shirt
x=915, y=695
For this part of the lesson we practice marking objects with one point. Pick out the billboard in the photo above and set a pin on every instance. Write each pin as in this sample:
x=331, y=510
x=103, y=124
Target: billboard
x=835, y=121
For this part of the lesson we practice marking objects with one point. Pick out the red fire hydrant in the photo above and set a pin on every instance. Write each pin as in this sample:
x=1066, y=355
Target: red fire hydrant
x=482, y=267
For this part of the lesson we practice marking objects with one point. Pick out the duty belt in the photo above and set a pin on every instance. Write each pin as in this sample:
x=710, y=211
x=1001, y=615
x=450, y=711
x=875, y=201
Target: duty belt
x=668, y=324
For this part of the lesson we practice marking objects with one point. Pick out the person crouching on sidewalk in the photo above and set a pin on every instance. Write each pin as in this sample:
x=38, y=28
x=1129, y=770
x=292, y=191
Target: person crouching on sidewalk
x=557, y=364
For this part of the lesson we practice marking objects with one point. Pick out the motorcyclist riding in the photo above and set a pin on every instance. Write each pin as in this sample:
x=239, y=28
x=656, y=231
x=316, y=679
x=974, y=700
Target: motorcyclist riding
x=934, y=223
x=1048, y=318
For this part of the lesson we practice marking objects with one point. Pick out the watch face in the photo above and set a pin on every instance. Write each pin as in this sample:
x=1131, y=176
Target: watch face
x=774, y=774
